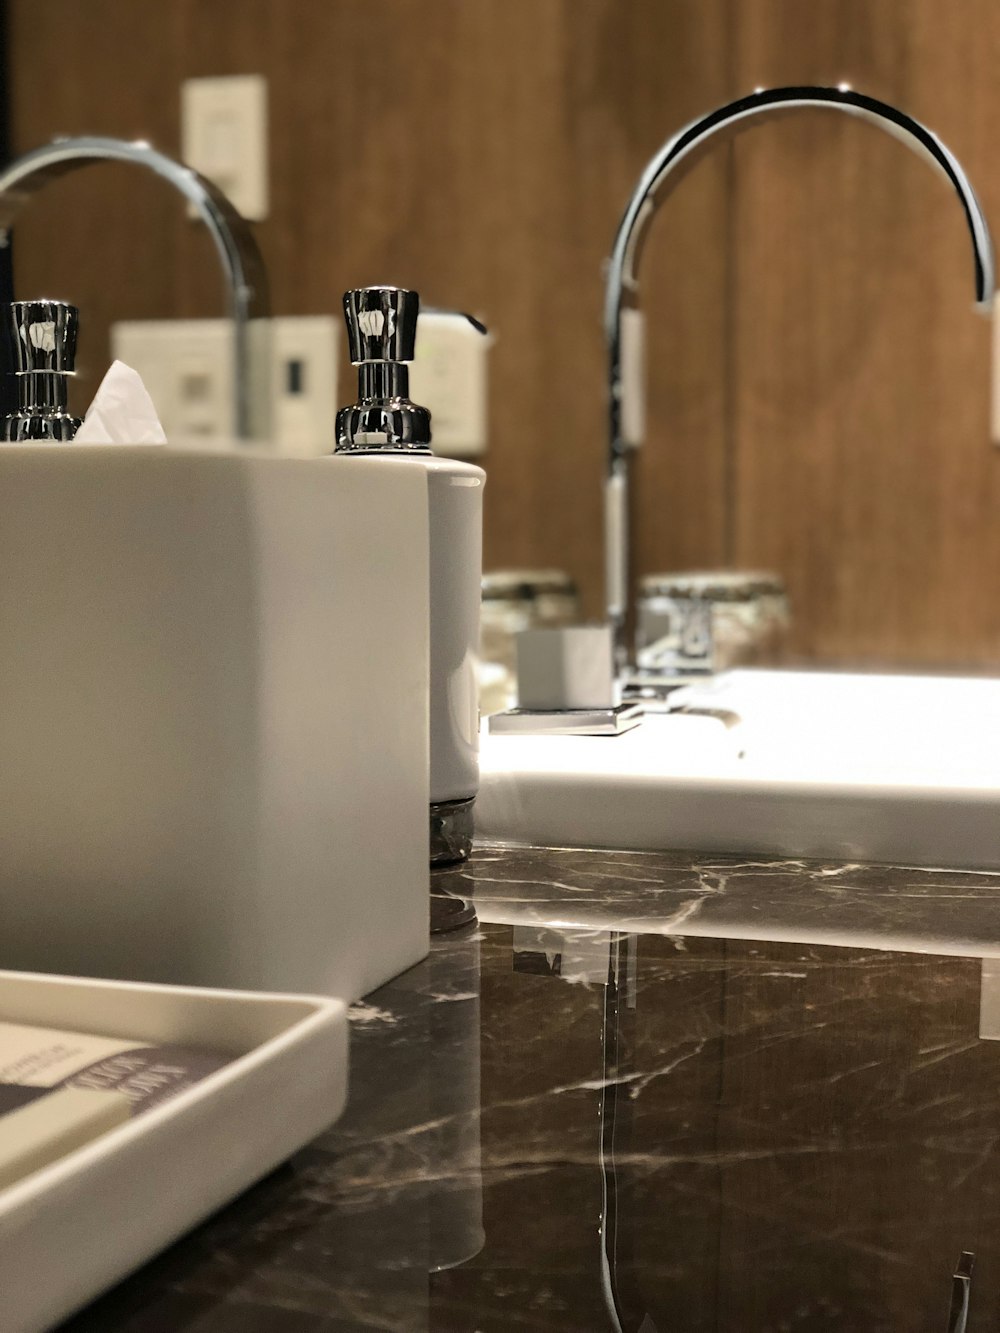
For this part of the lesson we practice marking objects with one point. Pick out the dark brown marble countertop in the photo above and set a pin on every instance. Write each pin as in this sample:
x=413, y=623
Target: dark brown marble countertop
x=649, y=1092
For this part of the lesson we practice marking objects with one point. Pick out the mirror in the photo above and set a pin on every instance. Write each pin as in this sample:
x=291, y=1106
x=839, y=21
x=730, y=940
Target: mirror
x=817, y=392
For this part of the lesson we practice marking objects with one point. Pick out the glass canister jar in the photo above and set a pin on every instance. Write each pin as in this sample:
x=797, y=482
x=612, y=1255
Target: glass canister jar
x=516, y=600
x=711, y=620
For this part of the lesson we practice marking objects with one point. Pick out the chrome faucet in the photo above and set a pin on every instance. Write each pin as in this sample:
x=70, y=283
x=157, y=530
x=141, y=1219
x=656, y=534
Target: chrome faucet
x=661, y=176
x=242, y=266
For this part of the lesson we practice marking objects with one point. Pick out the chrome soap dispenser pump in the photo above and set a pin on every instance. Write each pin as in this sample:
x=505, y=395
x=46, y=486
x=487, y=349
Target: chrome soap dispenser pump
x=381, y=330
x=42, y=340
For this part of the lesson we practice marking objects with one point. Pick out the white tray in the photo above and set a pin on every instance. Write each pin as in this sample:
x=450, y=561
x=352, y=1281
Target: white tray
x=76, y=1227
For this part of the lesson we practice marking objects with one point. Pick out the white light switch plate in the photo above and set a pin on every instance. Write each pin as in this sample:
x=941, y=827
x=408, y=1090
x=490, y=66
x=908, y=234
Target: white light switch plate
x=187, y=368
x=224, y=137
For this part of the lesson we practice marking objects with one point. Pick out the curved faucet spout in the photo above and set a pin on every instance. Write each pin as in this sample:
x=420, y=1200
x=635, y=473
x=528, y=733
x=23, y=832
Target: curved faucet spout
x=661, y=176
x=242, y=266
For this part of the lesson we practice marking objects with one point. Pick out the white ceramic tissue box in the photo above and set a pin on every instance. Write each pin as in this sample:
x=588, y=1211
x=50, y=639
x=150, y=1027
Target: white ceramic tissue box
x=213, y=717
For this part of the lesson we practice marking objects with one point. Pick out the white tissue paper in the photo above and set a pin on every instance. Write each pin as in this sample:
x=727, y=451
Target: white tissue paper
x=122, y=411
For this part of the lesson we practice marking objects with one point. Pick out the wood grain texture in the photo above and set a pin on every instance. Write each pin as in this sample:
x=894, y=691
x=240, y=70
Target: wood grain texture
x=818, y=389
x=865, y=471
x=106, y=238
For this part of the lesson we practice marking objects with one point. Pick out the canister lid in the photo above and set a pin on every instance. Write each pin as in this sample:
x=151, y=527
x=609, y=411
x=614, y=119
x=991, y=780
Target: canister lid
x=714, y=585
x=43, y=336
x=525, y=585
x=381, y=323
x=381, y=334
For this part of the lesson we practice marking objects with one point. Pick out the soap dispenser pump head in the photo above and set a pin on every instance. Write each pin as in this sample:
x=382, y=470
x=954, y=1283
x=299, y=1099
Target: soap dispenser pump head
x=381, y=336
x=381, y=323
x=42, y=338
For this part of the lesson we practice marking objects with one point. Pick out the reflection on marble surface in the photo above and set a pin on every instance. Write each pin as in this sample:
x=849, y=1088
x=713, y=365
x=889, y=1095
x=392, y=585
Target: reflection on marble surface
x=556, y=1125
x=673, y=893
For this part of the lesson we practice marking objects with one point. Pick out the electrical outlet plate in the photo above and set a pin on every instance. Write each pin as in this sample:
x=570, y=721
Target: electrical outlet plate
x=187, y=367
x=224, y=137
x=303, y=401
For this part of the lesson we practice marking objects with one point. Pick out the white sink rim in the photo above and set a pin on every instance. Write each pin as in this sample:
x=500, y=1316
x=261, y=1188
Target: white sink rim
x=679, y=782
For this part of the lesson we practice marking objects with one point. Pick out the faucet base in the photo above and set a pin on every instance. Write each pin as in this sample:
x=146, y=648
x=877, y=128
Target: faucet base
x=567, y=721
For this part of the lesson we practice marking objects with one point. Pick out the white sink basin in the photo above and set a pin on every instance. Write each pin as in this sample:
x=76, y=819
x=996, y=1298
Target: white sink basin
x=816, y=764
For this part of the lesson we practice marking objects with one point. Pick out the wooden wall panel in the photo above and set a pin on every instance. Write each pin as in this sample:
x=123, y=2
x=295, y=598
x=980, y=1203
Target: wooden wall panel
x=106, y=238
x=818, y=389
x=865, y=472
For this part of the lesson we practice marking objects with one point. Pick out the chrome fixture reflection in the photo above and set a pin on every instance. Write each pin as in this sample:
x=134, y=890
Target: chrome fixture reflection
x=607, y=959
x=625, y=1313
x=961, y=1290
x=663, y=173
x=242, y=266
x=381, y=340
x=42, y=336
x=700, y=622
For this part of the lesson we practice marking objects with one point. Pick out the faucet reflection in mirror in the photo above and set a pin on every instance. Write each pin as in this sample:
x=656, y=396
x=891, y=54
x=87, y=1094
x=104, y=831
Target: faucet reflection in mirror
x=662, y=174
x=242, y=266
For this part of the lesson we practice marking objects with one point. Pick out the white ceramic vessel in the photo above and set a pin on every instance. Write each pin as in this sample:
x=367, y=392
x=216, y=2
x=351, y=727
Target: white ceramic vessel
x=385, y=424
x=212, y=769
x=455, y=500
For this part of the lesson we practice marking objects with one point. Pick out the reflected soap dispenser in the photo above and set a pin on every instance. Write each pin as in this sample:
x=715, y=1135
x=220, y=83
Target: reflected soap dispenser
x=42, y=339
x=381, y=330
